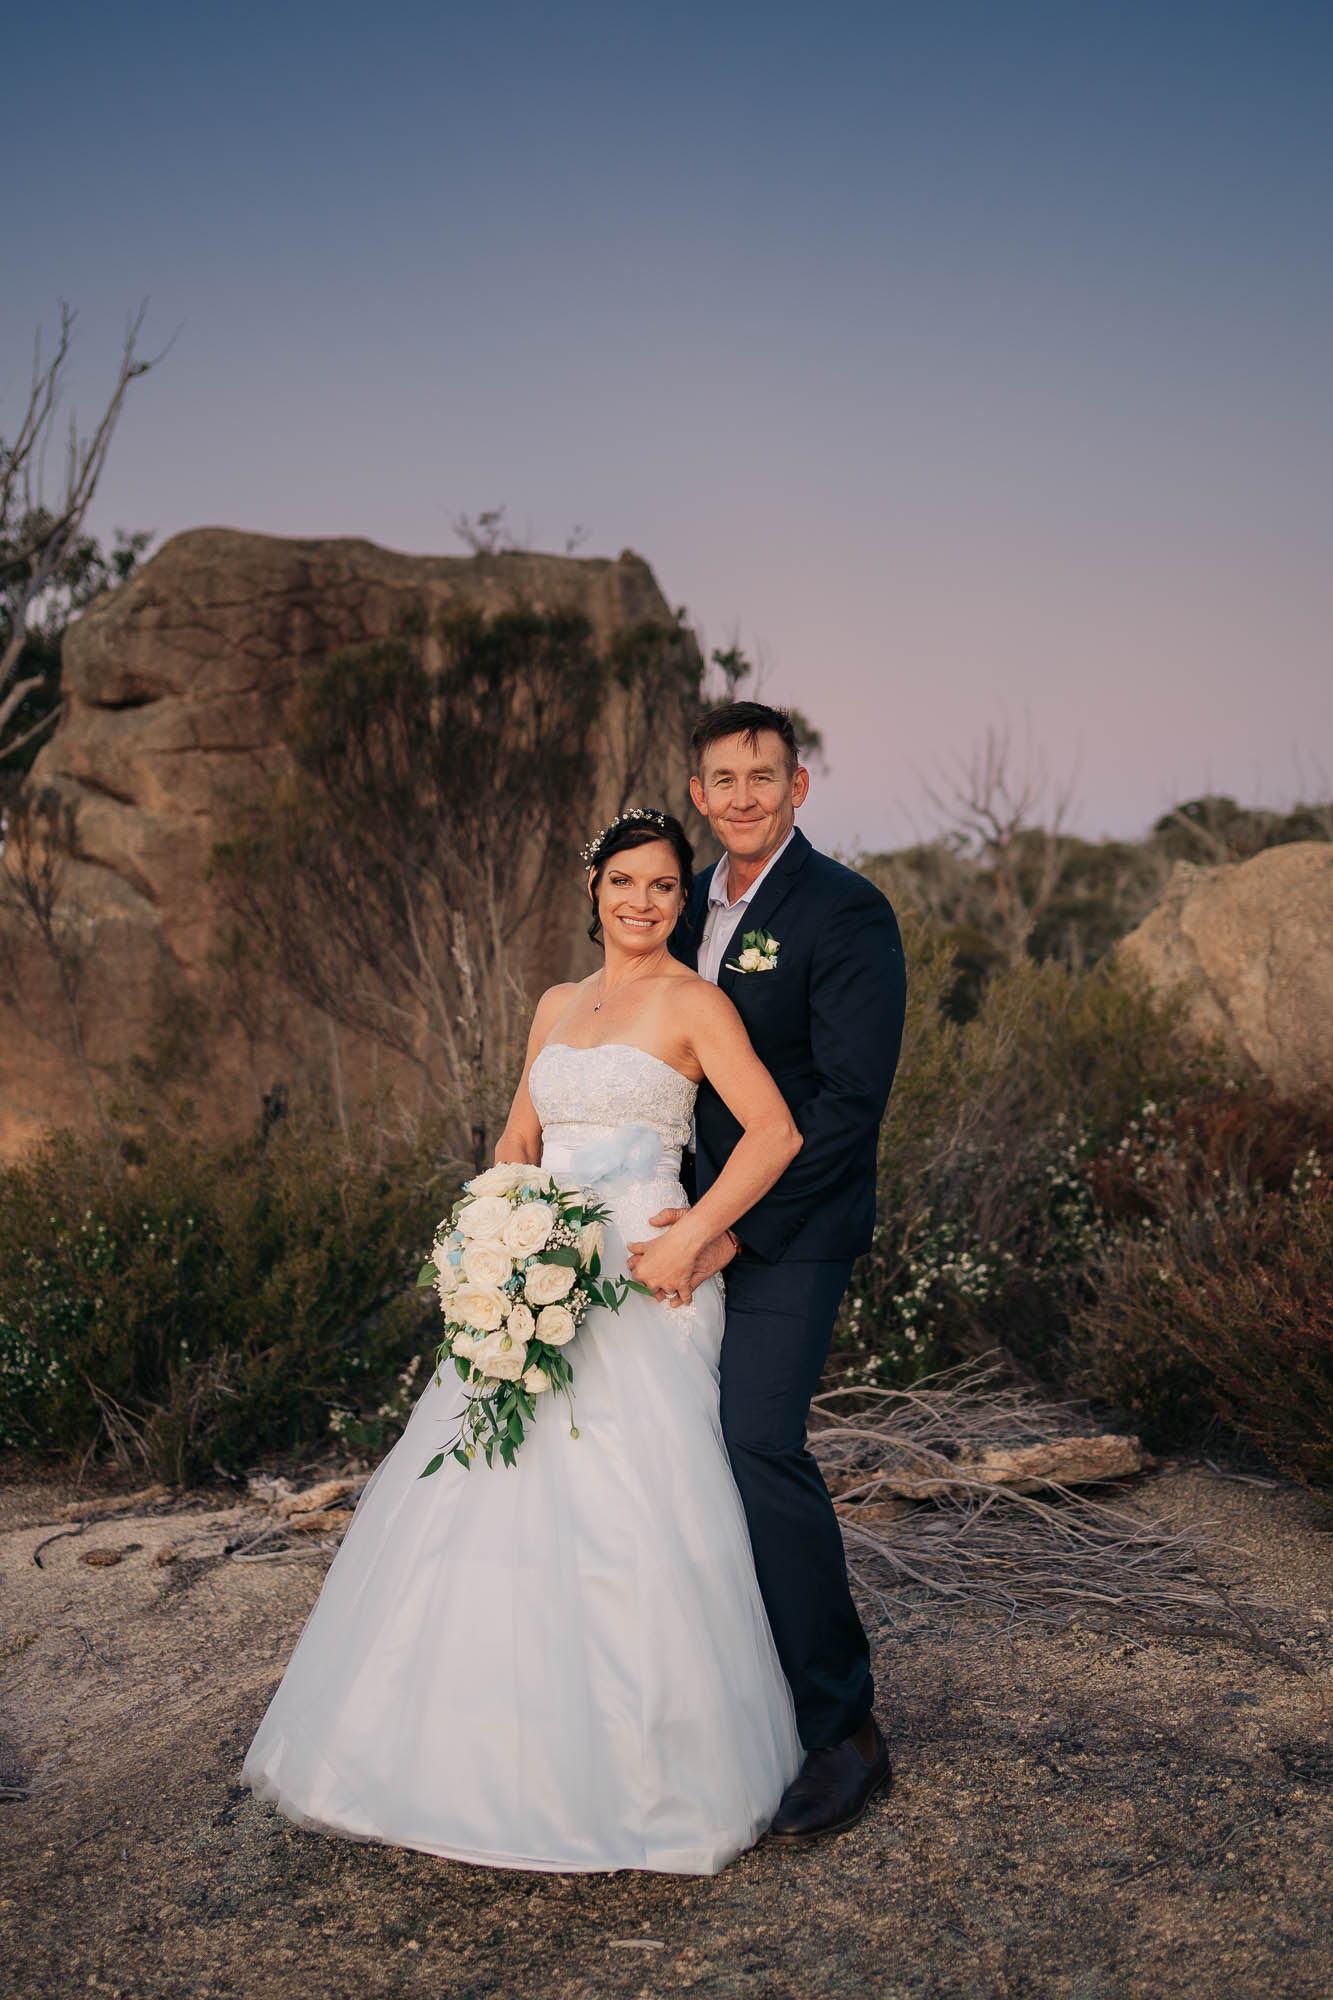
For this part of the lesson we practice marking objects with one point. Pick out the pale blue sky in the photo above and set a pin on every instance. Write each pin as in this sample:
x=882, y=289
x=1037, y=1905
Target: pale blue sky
x=963, y=361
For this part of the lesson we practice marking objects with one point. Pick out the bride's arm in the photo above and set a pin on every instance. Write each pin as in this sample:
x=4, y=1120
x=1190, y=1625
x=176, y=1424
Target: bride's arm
x=768, y=1144
x=520, y=1144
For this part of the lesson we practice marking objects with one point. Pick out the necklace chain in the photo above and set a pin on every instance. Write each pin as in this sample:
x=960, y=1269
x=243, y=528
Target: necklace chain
x=597, y=1004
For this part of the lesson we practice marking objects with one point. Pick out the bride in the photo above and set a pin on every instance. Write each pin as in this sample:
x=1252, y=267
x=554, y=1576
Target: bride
x=566, y=1665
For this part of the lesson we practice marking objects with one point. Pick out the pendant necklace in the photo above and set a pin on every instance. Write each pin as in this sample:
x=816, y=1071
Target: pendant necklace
x=597, y=1004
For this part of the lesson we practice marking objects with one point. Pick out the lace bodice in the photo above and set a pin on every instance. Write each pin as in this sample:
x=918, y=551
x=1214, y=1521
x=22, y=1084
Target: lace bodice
x=611, y=1085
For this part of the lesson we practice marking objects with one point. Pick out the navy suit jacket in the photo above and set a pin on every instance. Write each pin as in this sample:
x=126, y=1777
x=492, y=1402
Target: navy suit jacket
x=827, y=1023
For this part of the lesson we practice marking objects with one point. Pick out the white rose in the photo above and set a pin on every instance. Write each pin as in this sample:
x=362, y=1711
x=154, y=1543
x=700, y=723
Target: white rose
x=528, y=1227
x=500, y=1357
x=750, y=959
x=555, y=1325
x=545, y=1283
x=536, y=1381
x=480, y=1306
x=486, y=1216
x=464, y=1345
x=501, y=1179
x=520, y=1323
x=766, y=964
x=592, y=1242
x=488, y=1264
x=771, y=947
x=439, y=1257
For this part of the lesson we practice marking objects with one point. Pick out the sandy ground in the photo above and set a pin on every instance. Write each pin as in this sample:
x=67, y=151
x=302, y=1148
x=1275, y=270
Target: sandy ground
x=1075, y=1815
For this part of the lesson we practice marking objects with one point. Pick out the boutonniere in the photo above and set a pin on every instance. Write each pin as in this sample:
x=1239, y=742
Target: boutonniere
x=759, y=953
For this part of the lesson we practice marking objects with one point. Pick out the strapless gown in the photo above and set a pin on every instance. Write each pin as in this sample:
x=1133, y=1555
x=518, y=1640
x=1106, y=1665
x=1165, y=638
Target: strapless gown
x=566, y=1665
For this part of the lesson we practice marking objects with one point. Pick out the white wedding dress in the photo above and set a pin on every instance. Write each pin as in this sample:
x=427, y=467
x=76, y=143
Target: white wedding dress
x=565, y=1665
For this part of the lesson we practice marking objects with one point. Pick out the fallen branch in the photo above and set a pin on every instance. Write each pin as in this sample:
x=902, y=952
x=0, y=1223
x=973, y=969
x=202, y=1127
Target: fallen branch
x=1006, y=1537
x=117, y=1503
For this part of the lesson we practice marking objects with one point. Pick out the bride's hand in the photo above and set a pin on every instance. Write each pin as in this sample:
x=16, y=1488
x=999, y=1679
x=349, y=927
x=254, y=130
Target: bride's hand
x=712, y=1258
x=665, y=1264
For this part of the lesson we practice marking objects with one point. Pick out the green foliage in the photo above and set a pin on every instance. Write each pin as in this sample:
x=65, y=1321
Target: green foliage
x=1216, y=829
x=1064, y=1177
x=1083, y=896
x=209, y=1306
x=1210, y=1300
x=984, y=1220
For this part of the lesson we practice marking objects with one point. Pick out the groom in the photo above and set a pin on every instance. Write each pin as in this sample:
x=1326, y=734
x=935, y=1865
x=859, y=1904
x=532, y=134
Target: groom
x=823, y=1005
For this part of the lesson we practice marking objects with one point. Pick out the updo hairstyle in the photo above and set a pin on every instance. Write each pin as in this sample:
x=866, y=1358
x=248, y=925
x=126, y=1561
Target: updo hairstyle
x=638, y=827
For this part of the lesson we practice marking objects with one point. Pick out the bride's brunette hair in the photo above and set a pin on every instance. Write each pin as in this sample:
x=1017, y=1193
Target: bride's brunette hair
x=636, y=828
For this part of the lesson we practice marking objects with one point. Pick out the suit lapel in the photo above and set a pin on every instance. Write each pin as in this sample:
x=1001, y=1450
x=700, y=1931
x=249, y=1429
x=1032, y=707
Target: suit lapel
x=773, y=891
x=685, y=938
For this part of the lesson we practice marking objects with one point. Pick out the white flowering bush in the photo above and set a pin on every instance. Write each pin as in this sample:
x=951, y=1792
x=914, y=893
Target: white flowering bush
x=988, y=1222
x=517, y=1264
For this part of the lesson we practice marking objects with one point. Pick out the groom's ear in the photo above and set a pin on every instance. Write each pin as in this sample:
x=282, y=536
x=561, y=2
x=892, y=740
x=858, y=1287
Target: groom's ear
x=699, y=796
x=800, y=785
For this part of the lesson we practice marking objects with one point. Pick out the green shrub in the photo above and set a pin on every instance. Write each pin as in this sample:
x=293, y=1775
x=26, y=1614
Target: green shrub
x=1211, y=1300
x=210, y=1305
x=985, y=1216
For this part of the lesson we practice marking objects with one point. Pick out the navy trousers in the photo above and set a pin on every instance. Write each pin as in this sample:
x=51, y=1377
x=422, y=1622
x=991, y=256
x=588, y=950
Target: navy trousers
x=779, y=1324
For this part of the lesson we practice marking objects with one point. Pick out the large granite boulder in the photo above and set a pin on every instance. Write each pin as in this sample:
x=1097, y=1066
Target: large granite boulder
x=175, y=689
x=1250, y=948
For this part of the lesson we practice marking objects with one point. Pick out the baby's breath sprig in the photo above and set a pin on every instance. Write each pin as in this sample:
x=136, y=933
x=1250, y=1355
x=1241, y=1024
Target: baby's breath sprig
x=633, y=816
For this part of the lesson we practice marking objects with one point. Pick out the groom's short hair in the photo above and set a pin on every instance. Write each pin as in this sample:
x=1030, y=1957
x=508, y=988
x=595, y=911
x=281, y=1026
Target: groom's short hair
x=743, y=718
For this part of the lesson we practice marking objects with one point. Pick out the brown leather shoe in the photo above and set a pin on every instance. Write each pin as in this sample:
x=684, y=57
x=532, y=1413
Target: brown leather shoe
x=832, y=1791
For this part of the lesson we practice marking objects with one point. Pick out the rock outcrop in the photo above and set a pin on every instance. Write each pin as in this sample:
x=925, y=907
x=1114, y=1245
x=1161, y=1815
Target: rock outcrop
x=1250, y=948
x=175, y=691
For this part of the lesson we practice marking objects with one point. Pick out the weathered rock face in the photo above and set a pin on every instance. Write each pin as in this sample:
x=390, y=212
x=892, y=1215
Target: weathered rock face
x=175, y=692
x=1250, y=946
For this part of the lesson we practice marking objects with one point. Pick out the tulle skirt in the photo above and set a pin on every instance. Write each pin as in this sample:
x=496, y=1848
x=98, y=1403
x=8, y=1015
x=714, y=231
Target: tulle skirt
x=565, y=1665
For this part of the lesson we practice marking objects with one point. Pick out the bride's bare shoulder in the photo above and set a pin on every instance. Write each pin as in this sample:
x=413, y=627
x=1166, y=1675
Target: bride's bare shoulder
x=699, y=1000
x=553, y=1003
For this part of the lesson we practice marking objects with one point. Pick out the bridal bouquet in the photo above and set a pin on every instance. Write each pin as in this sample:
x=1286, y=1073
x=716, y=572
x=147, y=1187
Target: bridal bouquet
x=517, y=1264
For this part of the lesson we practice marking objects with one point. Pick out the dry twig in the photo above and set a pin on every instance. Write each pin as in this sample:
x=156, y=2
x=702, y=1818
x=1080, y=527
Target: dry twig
x=985, y=1548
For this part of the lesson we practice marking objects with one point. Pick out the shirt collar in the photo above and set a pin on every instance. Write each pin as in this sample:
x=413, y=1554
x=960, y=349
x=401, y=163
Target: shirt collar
x=717, y=887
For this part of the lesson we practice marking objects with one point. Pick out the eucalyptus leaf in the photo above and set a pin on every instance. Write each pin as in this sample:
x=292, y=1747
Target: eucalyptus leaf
x=434, y=1465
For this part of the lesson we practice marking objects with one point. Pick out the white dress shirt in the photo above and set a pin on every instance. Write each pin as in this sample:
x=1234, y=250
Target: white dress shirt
x=724, y=918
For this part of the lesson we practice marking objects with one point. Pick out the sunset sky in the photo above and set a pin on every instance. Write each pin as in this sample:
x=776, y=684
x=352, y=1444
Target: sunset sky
x=966, y=362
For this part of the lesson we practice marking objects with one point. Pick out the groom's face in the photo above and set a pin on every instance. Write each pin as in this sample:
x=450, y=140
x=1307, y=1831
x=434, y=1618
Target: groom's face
x=748, y=793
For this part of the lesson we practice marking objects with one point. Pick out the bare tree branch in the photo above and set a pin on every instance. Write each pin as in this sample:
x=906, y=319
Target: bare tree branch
x=990, y=804
x=36, y=539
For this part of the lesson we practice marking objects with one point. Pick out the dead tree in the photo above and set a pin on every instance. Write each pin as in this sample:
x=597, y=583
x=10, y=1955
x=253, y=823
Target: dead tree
x=39, y=539
x=989, y=802
x=433, y=812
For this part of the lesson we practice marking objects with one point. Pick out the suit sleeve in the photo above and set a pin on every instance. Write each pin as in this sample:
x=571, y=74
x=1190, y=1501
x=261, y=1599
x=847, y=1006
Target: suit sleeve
x=858, y=992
